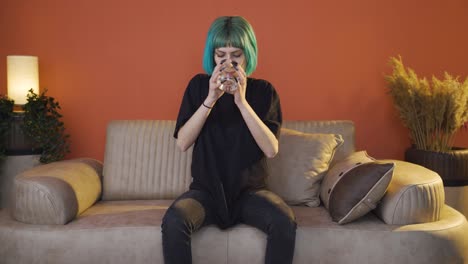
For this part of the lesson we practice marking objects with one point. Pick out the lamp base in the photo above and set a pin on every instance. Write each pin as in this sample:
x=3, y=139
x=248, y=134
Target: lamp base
x=18, y=108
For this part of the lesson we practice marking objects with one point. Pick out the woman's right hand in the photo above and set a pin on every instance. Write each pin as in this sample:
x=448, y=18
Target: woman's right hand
x=214, y=92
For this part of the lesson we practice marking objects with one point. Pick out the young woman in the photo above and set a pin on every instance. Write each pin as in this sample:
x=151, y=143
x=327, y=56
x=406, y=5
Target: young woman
x=234, y=131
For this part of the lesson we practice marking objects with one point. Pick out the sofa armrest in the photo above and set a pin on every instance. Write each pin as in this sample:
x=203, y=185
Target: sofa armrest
x=415, y=195
x=57, y=192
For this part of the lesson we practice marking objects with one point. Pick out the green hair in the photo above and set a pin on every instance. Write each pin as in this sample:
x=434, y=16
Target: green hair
x=233, y=31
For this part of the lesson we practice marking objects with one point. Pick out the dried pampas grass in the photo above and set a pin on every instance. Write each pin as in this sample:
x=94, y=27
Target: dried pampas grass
x=433, y=110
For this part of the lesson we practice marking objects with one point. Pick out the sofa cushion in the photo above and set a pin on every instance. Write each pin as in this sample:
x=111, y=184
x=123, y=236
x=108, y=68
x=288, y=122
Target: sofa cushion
x=57, y=192
x=367, y=240
x=120, y=232
x=142, y=161
x=354, y=186
x=344, y=128
x=415, y=195
x=302, y=160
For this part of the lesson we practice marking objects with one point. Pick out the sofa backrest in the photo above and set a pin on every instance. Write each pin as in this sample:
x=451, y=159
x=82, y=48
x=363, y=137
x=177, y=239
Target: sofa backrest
x=142, y=160
x=345, y=128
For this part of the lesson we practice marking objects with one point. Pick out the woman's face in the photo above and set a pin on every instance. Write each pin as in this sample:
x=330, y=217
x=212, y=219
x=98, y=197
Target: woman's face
x=229, y=54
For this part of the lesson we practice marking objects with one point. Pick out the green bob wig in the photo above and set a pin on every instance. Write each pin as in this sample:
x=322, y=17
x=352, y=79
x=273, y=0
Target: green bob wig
x=231, y=31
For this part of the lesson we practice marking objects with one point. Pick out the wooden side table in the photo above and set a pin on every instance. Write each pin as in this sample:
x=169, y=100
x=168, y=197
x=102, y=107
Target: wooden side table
x=9, y=168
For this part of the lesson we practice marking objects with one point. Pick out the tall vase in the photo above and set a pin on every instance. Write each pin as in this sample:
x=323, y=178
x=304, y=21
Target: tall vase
x=452, y=166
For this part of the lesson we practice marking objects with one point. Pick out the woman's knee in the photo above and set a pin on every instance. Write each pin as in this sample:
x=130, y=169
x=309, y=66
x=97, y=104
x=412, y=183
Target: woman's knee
x=277, y=203
x=186, y=214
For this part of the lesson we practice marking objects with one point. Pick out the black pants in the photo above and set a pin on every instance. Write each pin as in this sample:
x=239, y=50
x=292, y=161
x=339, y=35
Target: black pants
x=261, y=209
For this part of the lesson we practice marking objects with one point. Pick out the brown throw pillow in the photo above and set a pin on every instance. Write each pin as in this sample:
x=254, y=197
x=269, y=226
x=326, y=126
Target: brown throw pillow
x=299, y=166
x=354, y=186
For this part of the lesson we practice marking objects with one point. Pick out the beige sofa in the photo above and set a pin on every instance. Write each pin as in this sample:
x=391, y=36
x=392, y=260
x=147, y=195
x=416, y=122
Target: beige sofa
x=80, y=211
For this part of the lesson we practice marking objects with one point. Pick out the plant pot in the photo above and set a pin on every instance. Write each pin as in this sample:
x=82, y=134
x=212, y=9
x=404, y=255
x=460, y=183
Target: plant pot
x=452, y=166
x=16, y=142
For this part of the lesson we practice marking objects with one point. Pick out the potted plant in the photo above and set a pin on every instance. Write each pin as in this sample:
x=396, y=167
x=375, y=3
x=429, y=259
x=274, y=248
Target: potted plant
x=42, y=124
x=6, y=114
x=433, y=111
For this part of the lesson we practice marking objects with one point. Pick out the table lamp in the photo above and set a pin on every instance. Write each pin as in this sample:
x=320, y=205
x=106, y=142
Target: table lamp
x=22, y=75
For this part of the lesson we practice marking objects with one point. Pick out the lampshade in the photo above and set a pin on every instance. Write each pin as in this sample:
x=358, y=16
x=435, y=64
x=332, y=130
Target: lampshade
x=22, y=75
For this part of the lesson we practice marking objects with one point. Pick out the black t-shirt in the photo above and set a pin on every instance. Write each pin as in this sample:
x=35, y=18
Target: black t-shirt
x=226, y=160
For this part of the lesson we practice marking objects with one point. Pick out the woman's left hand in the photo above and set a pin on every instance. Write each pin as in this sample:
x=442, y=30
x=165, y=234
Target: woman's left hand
x=239, y=94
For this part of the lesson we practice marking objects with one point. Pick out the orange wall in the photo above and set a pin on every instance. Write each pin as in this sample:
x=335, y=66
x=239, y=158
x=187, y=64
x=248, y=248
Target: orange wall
x=116, y=59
